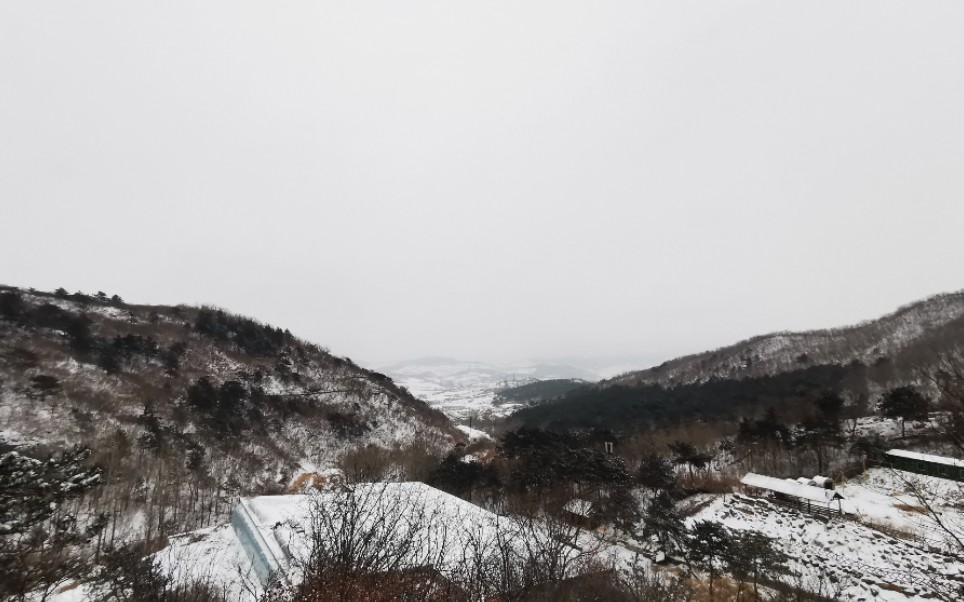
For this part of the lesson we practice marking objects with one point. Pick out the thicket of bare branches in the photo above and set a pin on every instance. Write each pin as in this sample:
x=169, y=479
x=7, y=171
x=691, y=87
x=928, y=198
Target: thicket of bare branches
x=374, y=543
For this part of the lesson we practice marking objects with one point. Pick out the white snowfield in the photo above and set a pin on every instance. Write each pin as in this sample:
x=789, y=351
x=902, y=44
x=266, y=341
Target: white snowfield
x=464, y=389
x=854, y=561
x=893, y=500
x=885, y=547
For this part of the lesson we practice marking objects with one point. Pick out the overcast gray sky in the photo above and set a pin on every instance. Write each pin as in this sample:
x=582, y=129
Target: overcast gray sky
x=489, y=180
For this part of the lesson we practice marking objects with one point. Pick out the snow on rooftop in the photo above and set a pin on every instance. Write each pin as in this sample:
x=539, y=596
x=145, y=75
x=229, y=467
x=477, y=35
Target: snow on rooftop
x=790, y=487
x=272, y=536
x=579, y=507
x=911, y=455
x=276, y=531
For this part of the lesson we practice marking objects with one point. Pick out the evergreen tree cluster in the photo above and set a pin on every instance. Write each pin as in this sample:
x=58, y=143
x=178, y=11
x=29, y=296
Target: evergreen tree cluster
x=109, y=354
x=538, y=391
x=38, y=536
x=541, y=460
x=749, y=556
x=100, y=298
x=47, y=315
x=768, y=430
x=250, y=336
x=231, y=407
x=31, y=489
x=464, y=478
x=656, y=473
x=544, y=458
x=903, y=404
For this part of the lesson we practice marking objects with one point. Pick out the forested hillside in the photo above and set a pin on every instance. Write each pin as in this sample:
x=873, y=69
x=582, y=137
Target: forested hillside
x=184, y=408
x=786, y=371
x=905, y=338
x=538, y=391
x=645, y=407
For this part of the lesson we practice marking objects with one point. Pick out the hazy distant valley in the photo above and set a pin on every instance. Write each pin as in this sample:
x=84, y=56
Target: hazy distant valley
x=464, y=390
x=864, y=360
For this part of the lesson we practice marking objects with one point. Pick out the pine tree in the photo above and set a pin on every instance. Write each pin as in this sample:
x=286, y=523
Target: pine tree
x=753, y=556
x=656, y=473
x=662, y=521
x=708, y=546
x=37, y=535
x=904, y=403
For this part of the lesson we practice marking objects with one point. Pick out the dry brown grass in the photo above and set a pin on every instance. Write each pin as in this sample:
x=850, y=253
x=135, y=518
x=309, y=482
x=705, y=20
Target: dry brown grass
x=308, y=480
x=700, y=435
x=709, y=482
x=71, y=585
x=891, y=587
x=704, y=436
x=725, y=589
x=911, y=509
x=892, y=531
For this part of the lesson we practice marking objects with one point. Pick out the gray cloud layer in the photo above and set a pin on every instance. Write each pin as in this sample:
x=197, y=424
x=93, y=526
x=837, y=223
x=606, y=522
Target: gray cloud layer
x=494, y=179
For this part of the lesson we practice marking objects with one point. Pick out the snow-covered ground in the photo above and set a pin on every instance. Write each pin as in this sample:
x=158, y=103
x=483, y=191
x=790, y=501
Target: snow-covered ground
x=894, y=499
x=887, y=428
x=887, y=548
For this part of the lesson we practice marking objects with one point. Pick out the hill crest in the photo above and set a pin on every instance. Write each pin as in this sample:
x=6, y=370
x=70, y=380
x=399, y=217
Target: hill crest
x=904, y=331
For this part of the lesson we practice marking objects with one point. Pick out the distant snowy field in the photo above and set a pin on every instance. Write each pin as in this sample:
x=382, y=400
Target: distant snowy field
x=463, y=390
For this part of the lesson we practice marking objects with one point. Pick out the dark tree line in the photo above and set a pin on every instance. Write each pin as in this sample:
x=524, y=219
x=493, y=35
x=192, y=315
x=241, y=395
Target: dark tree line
x=112, y=355
x=465, y=479
x=250, y=336
x=538, y=391
x=546, y=465
x=632, y=409
x=903, y=404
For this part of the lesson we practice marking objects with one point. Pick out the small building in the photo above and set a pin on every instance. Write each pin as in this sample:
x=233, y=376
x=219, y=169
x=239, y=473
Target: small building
x=926, y=464
x=810, y=498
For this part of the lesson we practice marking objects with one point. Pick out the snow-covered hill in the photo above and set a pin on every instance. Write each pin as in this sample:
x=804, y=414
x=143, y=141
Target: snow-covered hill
x=906, y=334
x=205, y=402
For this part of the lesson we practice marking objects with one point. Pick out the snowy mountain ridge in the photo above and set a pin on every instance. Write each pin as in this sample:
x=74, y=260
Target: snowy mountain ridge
x=911, y=329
